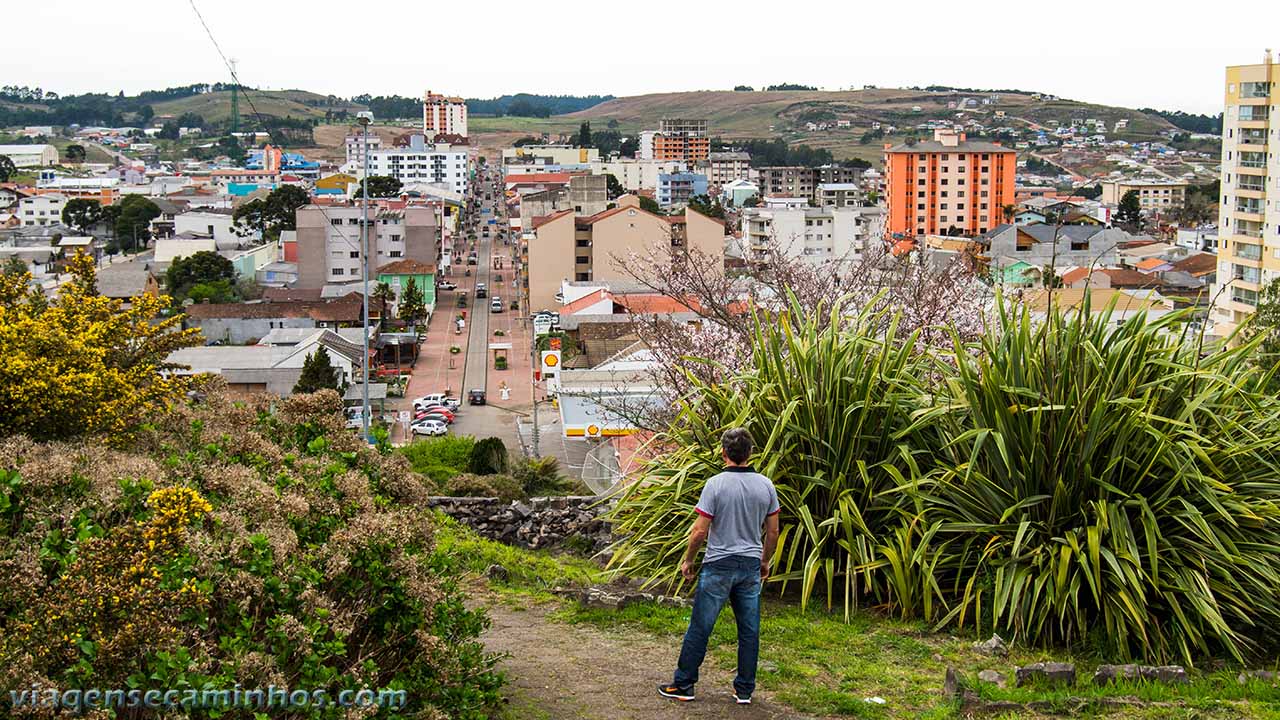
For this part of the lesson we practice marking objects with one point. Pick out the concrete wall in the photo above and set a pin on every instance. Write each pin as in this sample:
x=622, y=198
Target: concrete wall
x=312, y=233
x=551, y=261
x=239, y=331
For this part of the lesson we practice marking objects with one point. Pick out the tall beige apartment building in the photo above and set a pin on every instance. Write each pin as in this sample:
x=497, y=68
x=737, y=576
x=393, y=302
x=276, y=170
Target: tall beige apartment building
x=1249, y=220
x=566, y=246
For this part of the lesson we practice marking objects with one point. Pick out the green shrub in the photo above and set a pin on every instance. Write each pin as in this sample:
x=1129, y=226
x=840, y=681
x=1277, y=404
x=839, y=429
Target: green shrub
x=1066, y=481
x=234, y=542
x=541, y=476
x=440, y=458
x=503, y=487
x=500, y=363
x=488, y=457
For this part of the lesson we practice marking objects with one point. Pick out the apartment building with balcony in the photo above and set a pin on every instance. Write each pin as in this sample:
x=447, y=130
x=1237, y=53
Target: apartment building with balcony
x=677, y=139
x=785, y=181
x=328, y=241
x=355, y=144
x=566, y=246
x=1154, y=196
x=1249, y=214
x=423, y=162
x=814, y=235
x=947, y=184
x=442, y=115
x=677, y=189
x=722, y=168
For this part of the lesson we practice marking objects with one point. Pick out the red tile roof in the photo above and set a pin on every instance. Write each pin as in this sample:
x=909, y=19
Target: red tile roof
x=585, y=301
x=541, y=220
x=408, y=266
x=1151, y=263
x=1198, y=264
x=537, y=178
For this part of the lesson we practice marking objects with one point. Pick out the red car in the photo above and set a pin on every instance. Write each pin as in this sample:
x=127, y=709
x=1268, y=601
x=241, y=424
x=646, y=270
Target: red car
x=438, y=413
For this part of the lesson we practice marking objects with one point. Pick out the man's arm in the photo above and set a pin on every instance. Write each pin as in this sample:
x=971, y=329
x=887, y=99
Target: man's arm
x=697, y=536
x=770, y=543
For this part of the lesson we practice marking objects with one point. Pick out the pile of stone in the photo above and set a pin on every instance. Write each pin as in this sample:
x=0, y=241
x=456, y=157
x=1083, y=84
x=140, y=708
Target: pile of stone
x=544, y=522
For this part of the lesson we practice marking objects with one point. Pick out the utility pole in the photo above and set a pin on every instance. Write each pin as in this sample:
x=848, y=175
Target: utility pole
x=235, y=97
x=533, y=345
x=365, y=118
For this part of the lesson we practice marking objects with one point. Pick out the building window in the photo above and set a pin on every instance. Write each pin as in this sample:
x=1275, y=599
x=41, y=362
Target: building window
x=396, y=253
x=337, y=271
x=335, y=221
x=354, y=253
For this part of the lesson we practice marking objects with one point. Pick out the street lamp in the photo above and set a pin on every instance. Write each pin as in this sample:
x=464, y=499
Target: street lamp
x=365, y=119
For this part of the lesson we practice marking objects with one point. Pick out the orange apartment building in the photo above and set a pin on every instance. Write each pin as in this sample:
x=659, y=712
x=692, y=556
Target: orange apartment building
x=948, y=182
x=681, y=139
x=681, y=147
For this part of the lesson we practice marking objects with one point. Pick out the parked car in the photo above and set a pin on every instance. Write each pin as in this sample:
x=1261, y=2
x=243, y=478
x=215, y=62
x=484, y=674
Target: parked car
x=462, y=300
x=446, y=285
x=475, y=397
x=471, y=259
x=496, y=305
x=429, y=427
x=432, y=399
x=435, y=414
x=434, y=410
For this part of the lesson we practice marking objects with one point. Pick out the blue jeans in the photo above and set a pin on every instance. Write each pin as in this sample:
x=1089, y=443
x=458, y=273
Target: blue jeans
x=735, y=579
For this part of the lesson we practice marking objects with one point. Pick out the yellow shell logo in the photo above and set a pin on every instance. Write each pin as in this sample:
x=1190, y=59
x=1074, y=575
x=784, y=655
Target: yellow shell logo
x=593, y=430
x=551, y=360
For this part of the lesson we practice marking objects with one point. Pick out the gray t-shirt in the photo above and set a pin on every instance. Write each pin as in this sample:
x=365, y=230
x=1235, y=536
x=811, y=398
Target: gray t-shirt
x=737, y=501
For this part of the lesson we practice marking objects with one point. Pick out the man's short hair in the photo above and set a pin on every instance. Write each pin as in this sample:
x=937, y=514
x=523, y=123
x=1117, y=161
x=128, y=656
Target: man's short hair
x=737, y=444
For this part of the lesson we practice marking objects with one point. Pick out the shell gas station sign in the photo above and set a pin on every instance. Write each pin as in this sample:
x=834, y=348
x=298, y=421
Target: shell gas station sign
x=549, y=369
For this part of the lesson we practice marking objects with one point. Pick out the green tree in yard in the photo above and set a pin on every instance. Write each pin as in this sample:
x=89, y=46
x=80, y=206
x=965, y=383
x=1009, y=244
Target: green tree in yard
x=708, y=206
x=648, y=203
x=133, y=225
x=614, y=188
x=1265, y=321
x=204, y=267
x=383, y=295
x=75, y=153
x=412, y=303
x=231, y=147
x=318, y=373
x=1129, y=211
x=271, y=215
x=7, y=168
x=381, y=186
x=82, y=214
x=488, y=457
x=14, y=265
x=219, y=291
x=584, y=135
x=168, y=131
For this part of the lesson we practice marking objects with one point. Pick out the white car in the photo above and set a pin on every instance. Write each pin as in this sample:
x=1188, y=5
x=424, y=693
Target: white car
x=355, y=418
x=429, y=427
x=446, y=285
x=437, y=400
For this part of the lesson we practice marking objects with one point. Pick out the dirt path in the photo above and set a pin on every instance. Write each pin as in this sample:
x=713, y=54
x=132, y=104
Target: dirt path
x=555, y=671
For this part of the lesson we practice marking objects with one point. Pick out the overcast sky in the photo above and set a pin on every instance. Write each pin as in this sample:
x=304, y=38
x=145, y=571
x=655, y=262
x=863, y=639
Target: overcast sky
x=1119, y=52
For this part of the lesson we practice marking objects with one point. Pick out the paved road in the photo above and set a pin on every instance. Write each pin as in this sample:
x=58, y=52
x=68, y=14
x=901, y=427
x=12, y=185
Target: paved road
x=473, y=376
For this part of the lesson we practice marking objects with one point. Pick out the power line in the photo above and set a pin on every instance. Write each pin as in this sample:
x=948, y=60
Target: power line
x=230, y=67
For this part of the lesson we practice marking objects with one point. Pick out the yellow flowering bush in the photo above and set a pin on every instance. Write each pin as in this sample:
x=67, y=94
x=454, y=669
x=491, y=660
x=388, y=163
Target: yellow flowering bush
x=82, y=363
x=120, y=595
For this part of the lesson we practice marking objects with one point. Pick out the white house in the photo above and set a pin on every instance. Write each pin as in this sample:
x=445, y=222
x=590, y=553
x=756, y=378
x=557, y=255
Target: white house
x=30, y=155
x=43, y=209
x=216, y=225
x=816, y=235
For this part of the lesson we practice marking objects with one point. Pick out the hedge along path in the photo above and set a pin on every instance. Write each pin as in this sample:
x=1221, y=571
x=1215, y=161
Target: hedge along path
x=556, y=670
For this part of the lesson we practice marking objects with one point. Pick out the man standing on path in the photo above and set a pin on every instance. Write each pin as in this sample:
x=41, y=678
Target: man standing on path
x=736, y=506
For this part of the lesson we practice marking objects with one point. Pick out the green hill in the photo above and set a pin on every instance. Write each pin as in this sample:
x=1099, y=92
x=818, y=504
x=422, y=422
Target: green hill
x=785, y=114
x=216, y=106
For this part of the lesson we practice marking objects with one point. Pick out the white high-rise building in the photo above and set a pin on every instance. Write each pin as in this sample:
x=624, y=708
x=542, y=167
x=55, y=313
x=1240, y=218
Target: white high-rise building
x=423, y=162
x=355, y=149
x=443, y=115
x=1249, y=214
